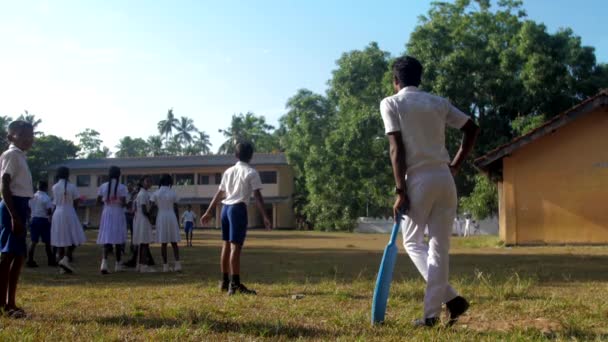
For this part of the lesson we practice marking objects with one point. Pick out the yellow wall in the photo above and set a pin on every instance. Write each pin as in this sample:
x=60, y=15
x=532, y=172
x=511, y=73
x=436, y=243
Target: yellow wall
x=555, y=190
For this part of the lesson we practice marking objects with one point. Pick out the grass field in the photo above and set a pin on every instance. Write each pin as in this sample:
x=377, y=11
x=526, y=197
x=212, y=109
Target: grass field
x=531, y=293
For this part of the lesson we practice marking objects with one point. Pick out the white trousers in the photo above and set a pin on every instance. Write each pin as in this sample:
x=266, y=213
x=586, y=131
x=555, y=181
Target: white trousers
x=433, y=204
x=467, y=228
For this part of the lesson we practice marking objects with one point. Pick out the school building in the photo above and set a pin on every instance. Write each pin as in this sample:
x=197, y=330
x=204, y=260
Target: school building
x=553, y=181
x=196, y=179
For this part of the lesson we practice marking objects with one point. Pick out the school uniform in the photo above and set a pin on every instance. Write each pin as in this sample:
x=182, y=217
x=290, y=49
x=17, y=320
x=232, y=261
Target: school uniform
x=167, y=226
x=14, y=162
x=238, y=183
x=142, y=228
x=188, y=219
x=66, y=228
x=113, y=223
x=40, y=224
x=421, y=118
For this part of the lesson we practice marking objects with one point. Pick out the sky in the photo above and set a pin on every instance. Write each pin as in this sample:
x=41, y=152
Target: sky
x=118, y=66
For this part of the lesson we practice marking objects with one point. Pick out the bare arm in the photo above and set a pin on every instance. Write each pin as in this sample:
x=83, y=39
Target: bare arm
x=7, y=196
x=216, y=198
x=176, y=211
x=397, y=152
x=259, y=201
x=471, y=131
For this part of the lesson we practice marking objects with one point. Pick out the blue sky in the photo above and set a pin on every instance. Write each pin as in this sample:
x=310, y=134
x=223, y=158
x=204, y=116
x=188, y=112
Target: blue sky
x=117, y=66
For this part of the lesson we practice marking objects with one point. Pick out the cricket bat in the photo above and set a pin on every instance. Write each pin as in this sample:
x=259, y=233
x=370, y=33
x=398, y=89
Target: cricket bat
x=385, y=276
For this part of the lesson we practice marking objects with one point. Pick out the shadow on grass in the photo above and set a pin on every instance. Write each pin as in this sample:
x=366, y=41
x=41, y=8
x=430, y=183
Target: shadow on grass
x=204, y=322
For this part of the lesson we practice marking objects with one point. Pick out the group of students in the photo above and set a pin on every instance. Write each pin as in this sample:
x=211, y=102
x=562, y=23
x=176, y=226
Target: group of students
x=57, y=224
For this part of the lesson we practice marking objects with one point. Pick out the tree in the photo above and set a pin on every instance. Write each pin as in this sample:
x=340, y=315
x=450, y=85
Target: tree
x=201, y=145
x=252, y=128
x=166, y=126
x=4, y=122
x=90, y=145
x=31, y=118
x=481, y=202
x=49, y=150
x=173, y=147
x=155, y=146
x=185, y=130
x=129, y=147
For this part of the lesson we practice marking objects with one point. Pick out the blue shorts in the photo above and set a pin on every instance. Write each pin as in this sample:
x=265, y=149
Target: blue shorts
x=40, y=229
x=9, y=242
x=234, y=223
x=188, y=227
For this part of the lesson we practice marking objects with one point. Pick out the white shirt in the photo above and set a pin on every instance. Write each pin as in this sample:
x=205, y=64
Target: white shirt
x=421, y=118
x=114, y=199
x=14, y=162
x=143, y=198
x=239, y=182
x=40, y=205
x=64, y=195
x=164, y=198
x=188, y=216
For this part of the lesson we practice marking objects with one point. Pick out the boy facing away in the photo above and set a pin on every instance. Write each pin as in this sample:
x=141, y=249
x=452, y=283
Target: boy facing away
x=238, y=183
x=17, y=189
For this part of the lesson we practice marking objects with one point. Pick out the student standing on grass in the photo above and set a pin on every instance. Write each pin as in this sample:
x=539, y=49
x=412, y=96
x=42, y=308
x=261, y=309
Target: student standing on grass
x=17, y=189
x=167, y=224
x=66, y=229
x=41, y=208
x=188, y=219
x=415, y=124
x=142, y=226
x=113, y=223
x=238, y=184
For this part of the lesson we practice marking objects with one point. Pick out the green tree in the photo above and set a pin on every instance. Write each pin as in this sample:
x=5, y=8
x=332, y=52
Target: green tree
x=155, y=146
x=129, y=147
x=4, y=122
x=46, y=151
x=200, y=146
x=252, y=128
x=31, y=118
x=89, y=144
x=185, y=131
x=173, y=147
x=481, y=203
x=166, y=126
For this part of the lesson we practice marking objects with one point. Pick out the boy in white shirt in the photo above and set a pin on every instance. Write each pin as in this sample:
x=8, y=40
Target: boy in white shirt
x=415, y=125
x=41, y=207
x=188, y=219
x=238, y=184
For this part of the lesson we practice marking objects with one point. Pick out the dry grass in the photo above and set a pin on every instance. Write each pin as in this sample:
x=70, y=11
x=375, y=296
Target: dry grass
x=535, y=293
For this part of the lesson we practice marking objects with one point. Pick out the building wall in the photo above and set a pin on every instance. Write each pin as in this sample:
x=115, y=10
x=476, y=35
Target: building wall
x=555, y=189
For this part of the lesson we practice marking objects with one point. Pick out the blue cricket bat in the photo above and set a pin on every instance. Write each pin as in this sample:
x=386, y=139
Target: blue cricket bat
x=385, y=276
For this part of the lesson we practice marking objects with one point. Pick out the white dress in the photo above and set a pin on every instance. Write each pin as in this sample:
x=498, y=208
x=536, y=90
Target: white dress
x=167, y=226
x=142, y=228
x=113, y=223
x=66, y=229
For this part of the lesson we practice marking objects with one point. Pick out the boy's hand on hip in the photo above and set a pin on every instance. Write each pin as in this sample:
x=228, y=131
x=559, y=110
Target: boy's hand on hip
x=267, y=223
x=17, y=226
x=402, y=204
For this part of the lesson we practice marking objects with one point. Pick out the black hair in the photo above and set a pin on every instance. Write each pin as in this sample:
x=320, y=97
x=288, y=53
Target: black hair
x=18, y=126
x=64, y=173
x=244, y=151
x=189, y=206
x=114, y=173
x=166, y=180
x=407, y=71
x=140, y=183
x=43, y=186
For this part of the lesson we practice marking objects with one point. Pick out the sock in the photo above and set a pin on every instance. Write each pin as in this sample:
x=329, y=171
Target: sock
x=235, y=279
x=226, y=278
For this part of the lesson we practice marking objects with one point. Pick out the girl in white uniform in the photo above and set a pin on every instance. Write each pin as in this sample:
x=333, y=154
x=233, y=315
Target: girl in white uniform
x=167, y=225
x=142, y=226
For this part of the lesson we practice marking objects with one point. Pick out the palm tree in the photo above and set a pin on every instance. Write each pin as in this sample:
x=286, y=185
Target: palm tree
x=4, y=122
x=185, y=128
x=245, y=127
x=31, y=119
x=166, y=126
x=155, y=146
x=202, y=143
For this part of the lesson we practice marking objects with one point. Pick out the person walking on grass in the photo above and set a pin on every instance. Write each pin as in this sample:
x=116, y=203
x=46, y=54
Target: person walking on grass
x=142, y=227
x=167, y=224
x=17, y=189
x=238, y=183
x=415, y=122
x=41, y=208
x=188, y=219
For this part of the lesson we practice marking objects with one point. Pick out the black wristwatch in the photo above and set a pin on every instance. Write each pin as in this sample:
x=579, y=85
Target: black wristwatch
x=398, y=191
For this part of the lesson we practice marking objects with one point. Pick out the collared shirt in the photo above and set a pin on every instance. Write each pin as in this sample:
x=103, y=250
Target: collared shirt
x=116, y=193
x=14, y=163
x=239, y=182
x=165, y=197
x=188, y=216
x=421, y=118
x=65, y=193
x=40, y=204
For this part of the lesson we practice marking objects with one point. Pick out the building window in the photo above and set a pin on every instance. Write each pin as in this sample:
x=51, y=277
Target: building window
x=218, y=178
x=268, y=177
x=83, y=181
x=184, y=179
x=102, y=179
x=203, y=179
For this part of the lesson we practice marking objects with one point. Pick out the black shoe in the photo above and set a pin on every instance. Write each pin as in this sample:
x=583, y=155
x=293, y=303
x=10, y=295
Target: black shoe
x=240, y=288
x=53, y=263
x=456, y=307
x=224, y=286
x=426, y=322
x=31, y=264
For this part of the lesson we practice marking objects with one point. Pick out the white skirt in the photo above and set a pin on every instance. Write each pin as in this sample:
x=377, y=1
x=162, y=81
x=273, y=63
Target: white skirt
x=167, y=227
x=66, y=229
x=142, y=230
x=113, y=226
